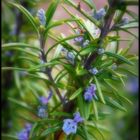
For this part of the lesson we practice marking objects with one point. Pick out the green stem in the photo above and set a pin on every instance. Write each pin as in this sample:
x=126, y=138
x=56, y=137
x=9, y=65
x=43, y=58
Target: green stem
x=131, y=3
x=48, y=70
x=104, y=31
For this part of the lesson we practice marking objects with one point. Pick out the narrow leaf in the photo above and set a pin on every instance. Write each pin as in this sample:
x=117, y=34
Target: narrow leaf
x=119, y=57
x=76, y=93
x=99, y=90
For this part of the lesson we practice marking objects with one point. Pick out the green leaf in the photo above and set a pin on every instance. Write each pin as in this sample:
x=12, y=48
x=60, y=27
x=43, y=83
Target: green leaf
x=57, y=23
x=32, y=61
x=58, y=114
x=130, y=25
x=126, y=49
x=21, y=50
x=51, y=130
x=86, y=132
x=131, y=33
x=20, y=103
x=19, y=44
x=132, y=14
x=127, y=71
x=61, y=75
x=90, y=3
x=43, y=65
x=13, y=68
x=87, y=50
x=26, y=118
x=58, y=50
x=71, y=3
x=114, y=104
x=95, y=110
x=99, y=90
x=5, y=136
x=62, y=40
x=84, y=107
x=51, y=10
x=18, y=83
x=93, y=125
x=101, y=115
x=27, y=14
x=76, y=93
x=33, y=130
x=119, y=57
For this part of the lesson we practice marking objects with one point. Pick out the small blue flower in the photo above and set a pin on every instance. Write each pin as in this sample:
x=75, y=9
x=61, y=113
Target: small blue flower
x=114, y=66
x=79, y=39
x=64, y=49
x=85, y=43
x=9, y=53
x=70, y=57
x=28, y=127
x=42, y=112
x=132, y=86
x=41, y=16
x=101, y=51
x=69, y=126
x=94, y=71
x=90, y=92
x=44, y=100
x=77, y=117
x=43, y=69
x=125, y=20
x=99, y=14
x=24, y=133
x=23, y=73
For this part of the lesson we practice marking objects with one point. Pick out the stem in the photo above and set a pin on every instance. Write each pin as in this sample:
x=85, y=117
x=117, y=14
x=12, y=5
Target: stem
x=48, y=70
x=104, y=31
x=117, y=46
x=131, y=3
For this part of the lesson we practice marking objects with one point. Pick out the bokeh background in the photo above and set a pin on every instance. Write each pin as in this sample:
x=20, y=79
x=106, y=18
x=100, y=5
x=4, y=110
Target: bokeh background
x=15, y=28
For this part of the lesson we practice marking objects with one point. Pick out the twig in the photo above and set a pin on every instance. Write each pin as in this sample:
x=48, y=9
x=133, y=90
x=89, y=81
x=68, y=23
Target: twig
x=48, y=70
x=104, y=31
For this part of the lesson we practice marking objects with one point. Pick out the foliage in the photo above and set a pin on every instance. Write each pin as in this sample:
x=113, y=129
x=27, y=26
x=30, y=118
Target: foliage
x=49, y=83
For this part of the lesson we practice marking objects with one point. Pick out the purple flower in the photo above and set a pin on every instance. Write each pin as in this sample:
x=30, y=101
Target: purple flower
x=64, y=49
x=94, y=71
x=41, y=16
x=70, y=125
x=45, y=100
x=43, y=69
x=85, y=43
x=23, y=73
x=101, y=51
x=125, y=20
x=42, y=112
x=90, y=92
x=28, y=127
x=70, y=57
x=114, y=66
x=24, y=133
x=9, y=53
x=77, y=117
x=132, y=85
x=79, y=39
x=99, y=14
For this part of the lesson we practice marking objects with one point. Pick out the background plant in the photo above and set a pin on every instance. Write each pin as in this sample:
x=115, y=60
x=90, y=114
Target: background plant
x=52, y=83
